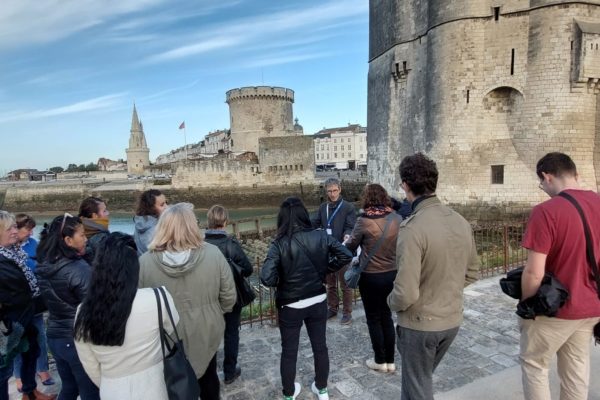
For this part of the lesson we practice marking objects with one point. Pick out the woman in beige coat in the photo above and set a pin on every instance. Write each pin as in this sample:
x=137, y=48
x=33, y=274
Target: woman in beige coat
x=199, y=279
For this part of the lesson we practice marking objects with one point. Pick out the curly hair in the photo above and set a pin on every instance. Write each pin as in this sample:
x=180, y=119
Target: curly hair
x=104, y=312
x=147, y=203
x=375, y=195
x=420, y=173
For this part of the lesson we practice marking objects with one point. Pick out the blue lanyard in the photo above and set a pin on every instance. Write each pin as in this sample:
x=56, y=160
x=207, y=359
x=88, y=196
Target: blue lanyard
x=329, y=219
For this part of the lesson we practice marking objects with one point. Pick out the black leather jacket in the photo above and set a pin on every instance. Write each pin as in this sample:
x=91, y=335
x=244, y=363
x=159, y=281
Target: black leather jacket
x=230, y=248
x=297, y=265
x=64, y=284
x=15, y=294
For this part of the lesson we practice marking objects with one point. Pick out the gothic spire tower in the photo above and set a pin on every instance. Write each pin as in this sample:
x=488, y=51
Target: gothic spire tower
x=138, y=154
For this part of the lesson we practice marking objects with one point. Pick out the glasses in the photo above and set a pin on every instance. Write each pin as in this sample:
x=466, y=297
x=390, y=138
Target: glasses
x=62, y=226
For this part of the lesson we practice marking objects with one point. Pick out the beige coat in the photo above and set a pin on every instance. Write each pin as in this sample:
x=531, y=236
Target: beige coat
x=203, y=290
x=436, y=259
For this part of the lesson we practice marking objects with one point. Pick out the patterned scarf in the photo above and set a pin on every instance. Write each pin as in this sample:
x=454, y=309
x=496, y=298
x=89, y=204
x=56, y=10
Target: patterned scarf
x=16, y=254
x=375, y=211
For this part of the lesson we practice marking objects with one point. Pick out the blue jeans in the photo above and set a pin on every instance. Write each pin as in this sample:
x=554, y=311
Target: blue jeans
x=27, y=366
x=42, y=360
x=75, y=381
x=290, y=323
x=231, y=343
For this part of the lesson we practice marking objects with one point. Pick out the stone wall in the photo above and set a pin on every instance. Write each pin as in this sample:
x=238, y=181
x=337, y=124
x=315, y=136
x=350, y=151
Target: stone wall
x=475, y=92
x=287, y=159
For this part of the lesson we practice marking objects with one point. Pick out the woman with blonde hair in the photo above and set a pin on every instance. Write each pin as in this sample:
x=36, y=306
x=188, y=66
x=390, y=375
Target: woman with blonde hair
x=199, y=279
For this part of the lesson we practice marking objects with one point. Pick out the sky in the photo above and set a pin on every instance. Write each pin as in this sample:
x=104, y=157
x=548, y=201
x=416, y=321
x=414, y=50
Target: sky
x=71, y=70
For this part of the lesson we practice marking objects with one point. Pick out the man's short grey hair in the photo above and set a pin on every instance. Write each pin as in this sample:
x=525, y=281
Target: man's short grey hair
x=332, y=181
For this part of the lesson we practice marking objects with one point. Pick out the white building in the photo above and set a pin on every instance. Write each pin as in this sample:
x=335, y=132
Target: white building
x=341, y=148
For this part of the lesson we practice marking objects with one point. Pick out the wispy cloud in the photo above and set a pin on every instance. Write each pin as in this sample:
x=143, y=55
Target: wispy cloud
x=162, y=93
x=24, y=22
x=283, y=59
x=97, y=103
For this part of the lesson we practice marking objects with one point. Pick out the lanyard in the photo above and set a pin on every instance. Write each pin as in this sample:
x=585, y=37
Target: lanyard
x=329, y=220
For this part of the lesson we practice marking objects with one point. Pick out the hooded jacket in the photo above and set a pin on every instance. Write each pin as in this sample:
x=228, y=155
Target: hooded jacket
x=203, y=290
x=144, y=231
x=64, y=284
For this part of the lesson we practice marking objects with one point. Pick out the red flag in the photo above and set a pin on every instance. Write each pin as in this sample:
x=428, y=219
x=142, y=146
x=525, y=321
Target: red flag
x=182, y=126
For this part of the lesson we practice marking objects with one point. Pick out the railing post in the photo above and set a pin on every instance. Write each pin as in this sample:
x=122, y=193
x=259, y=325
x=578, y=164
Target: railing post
x=236, y=229
x=505, y=246
x=258, y=224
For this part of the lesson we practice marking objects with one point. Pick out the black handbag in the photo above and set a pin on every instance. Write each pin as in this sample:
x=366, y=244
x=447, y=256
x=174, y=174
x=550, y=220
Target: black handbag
x=180, y=378
x=245, y=293
x=591, y=257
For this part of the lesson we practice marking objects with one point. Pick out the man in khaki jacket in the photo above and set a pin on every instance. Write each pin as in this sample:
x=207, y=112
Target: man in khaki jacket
x=436, y=259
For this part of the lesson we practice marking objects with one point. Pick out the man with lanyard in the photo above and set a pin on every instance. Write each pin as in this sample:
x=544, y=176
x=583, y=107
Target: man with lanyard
x=556, y=243
x=337, y=217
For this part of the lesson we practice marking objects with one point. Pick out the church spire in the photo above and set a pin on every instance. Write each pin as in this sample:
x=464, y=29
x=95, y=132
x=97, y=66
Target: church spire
x=135, y=121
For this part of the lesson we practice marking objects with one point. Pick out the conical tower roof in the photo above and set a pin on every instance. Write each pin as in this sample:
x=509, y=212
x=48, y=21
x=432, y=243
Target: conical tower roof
x=135, y=121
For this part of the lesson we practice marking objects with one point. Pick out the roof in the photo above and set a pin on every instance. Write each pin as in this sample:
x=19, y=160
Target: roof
x=589, y=27
x=355, y=128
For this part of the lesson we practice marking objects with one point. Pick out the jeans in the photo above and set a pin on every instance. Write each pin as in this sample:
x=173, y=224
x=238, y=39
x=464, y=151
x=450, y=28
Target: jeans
x=209, y=382
x=374, y=290
x=290, y=323
x=42, y=360
x=75, y=381
x=421, y=353
x=27, y=366
x=231, y=341
x=333, y=299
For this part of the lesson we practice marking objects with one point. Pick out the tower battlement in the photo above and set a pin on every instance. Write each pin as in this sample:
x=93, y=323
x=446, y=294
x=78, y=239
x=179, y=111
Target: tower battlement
x=260, y=92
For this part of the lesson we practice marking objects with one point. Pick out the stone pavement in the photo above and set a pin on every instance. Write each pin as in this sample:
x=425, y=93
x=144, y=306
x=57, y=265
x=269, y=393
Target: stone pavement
x=486, y=344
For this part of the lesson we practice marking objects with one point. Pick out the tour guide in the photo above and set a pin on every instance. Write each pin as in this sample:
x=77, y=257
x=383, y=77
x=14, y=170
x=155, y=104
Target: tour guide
x=436, y=259
x=337, y=217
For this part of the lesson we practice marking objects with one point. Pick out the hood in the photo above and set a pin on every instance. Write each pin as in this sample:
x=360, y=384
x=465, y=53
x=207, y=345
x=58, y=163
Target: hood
x=178, y=270
x=47, y=270
x=144, y=222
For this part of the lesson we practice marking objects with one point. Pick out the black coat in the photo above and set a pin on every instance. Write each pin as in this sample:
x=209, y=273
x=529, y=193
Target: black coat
x=15, y=294
x=297, y=266
x=342, y=222
x=64, y=284
x=231, y=249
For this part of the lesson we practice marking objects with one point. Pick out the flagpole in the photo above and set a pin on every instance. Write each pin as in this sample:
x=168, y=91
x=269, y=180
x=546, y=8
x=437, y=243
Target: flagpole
x=185, y=142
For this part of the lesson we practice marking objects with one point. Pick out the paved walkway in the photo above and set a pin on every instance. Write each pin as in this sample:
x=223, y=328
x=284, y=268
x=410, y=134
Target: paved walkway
x=481, y=363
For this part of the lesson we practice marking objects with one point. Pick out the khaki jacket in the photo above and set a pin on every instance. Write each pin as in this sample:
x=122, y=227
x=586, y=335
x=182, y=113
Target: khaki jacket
x=203, y=290
x=436, y=259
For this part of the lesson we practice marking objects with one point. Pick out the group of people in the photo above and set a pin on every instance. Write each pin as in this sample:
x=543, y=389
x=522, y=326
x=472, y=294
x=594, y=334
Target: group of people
x=103, y=316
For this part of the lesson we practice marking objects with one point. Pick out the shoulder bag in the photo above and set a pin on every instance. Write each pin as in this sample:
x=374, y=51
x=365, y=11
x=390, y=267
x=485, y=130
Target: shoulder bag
x=245, y=293
x=352, y=274
x=591, y=257
x=180, y=378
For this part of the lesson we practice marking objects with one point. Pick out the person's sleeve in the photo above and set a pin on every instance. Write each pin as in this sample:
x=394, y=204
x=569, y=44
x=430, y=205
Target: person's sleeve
x=142, y=282
x=316, y=219
x=269, y=273
x=350, y=220
x=409, y=253
x=538, y=234
x=88, y=359
x=342, y=254
x=165, y=315
x=79, y=282
x=473, y=267
x=240, y=258
x=227, y=293
x=356, y=236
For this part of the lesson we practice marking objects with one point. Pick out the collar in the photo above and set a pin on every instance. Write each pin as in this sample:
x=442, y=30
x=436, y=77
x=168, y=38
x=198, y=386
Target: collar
x=215, y=232
x=334, y=204
x=424, y=201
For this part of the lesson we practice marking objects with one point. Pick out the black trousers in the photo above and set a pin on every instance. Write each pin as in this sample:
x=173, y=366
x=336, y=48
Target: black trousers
x=209, y=382
x=231, y=342
x=374, y=290
x=290, y=323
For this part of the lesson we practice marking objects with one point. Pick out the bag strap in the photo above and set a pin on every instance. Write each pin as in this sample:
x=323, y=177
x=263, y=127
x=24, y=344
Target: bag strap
x=378, y=243
x=306, y=253
x=161, y=330
x=164, y=296
x=591, y=257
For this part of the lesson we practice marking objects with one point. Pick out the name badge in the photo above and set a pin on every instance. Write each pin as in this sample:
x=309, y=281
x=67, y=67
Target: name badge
x=329, y=232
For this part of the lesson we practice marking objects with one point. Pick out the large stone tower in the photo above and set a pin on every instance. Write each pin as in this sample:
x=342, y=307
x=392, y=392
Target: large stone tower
x=485, y=88
x=257, y=112
x=138, y=154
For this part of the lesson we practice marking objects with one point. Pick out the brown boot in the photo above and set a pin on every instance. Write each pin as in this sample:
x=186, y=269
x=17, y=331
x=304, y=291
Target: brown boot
x=37, y=395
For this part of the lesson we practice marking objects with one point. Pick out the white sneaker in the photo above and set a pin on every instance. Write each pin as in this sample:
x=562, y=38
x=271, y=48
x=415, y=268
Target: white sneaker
x=323, y=394
x=391, y=367
x=383, y=367
x=297, y=389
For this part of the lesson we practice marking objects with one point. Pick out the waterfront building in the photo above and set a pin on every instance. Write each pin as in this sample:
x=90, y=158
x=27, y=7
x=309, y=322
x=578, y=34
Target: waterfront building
x=341, y=148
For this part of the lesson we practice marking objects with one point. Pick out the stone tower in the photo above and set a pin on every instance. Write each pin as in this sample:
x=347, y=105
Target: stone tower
x=138, y=154
x=257, y=112
x=485, y=88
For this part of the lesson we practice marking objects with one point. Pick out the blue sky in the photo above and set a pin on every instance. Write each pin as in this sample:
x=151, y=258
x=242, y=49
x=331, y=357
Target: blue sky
x=71, y=70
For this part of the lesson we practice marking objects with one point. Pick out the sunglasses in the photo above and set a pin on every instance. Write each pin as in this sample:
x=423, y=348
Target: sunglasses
x=62, y=225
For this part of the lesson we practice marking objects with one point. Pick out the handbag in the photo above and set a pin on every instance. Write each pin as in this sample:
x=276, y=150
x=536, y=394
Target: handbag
x=352, y=274
x=245, y=293
x=180, y=378
x=591, y=257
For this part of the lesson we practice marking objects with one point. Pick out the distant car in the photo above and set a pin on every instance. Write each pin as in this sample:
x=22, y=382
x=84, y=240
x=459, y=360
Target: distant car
x=160, y=176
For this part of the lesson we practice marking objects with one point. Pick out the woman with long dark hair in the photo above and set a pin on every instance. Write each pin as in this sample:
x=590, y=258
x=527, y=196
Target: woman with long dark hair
x=377, y=279
x=117, y=329
x=18, y=288
x=64, y=280
x=149, y=207
x=296, y=264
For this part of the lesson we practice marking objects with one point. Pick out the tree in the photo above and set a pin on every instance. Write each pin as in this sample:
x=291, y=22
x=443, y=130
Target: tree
x=72, y=168
x=91, y=167
x=56, y=170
